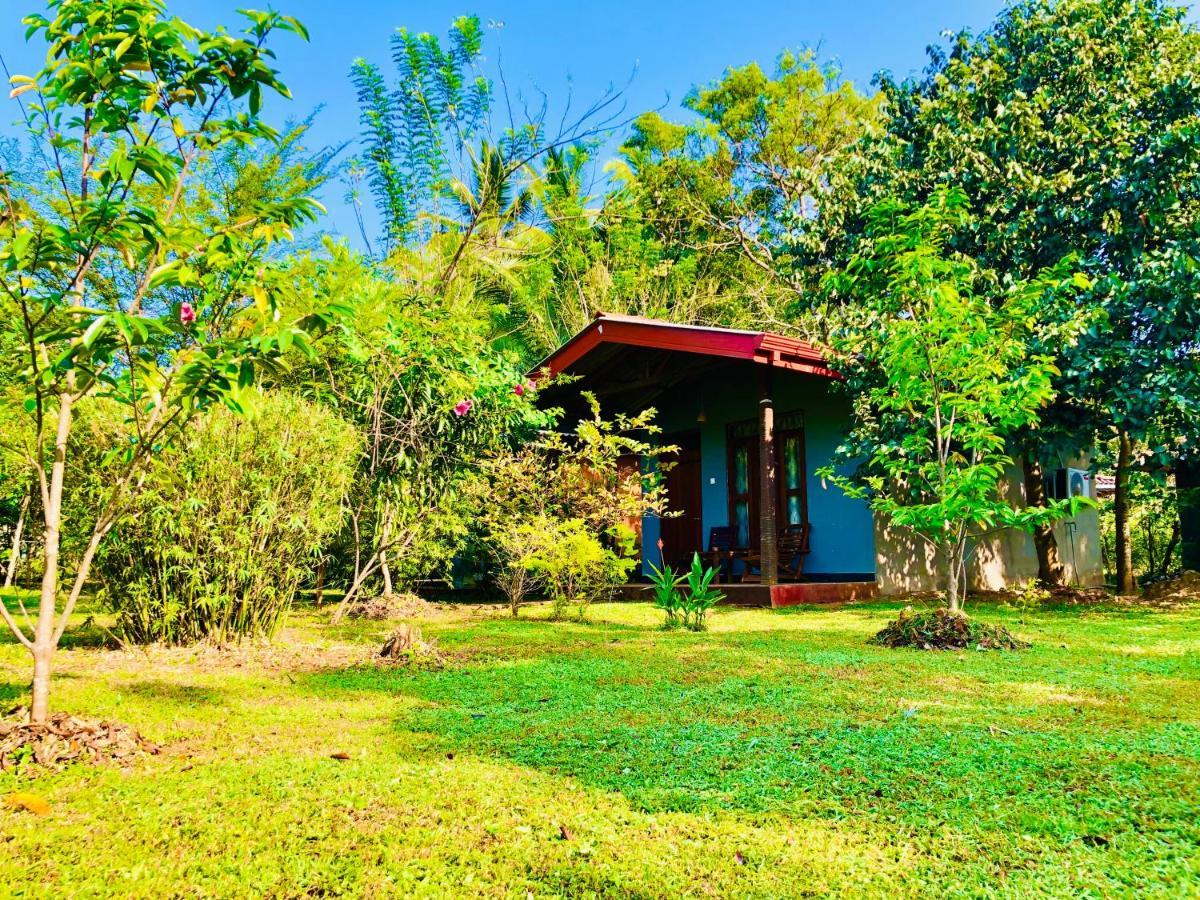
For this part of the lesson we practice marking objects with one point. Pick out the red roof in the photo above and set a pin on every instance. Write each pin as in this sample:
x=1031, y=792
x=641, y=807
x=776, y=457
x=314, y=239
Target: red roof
x=774, y=350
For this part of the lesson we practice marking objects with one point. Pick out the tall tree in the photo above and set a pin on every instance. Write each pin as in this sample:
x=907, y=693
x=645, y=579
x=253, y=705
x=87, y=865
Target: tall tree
x=761, y=173
x=943, y=373
x=109, y=289
x=1073, y=127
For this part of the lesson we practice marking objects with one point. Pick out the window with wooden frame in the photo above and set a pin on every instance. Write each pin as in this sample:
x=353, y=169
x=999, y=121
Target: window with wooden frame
x=742, y=441
x=791, y=476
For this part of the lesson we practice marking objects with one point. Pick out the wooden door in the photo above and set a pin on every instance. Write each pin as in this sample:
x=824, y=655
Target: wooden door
x=682, y=533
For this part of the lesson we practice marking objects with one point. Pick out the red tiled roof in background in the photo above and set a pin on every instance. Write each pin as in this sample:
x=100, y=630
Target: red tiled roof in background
x=762, y=347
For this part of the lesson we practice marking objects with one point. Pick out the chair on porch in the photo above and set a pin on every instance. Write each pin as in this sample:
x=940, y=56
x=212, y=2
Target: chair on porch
x=722, y=550
x=792, y=546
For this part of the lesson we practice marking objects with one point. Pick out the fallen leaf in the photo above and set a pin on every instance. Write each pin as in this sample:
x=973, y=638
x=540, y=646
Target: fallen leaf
x=741, y=860
x=28, y=802
x=565, y=833
x=341, y=754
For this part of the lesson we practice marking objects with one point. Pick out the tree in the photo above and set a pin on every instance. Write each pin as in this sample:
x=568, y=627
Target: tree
x=565, y=495
x=430, y=133
x=430, y=396
x=944, y=374
x=109, y=291
x=762, y=176
x=1071, y=124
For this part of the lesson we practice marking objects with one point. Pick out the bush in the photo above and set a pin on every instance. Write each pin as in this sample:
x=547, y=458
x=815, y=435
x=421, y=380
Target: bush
x=567, y=493
x=942, y=629
x=574, y=566
x=221, y=537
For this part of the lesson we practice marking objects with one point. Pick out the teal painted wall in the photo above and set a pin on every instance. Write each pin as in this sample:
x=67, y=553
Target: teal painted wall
x=843, y=533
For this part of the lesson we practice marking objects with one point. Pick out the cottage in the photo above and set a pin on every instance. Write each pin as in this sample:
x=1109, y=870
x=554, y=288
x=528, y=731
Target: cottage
x=755, y=415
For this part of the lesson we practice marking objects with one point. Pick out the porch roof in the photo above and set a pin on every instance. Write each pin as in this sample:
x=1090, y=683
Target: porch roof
x=629, y=362
x=609, y=332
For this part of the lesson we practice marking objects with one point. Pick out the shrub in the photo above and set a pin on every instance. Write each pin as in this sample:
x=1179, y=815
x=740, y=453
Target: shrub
x=1029, y=595
x=943, y=629
x=220, y=538
x=575, y=567
x=565, y=491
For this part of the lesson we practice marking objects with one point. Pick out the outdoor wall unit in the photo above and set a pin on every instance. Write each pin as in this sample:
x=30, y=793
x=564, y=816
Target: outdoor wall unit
x=1062, y=484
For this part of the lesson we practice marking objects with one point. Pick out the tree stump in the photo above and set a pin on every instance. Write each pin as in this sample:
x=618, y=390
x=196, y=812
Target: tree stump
x=404, y=640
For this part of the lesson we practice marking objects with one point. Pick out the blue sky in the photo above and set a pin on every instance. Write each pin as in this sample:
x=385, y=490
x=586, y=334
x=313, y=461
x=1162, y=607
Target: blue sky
x=561, y=46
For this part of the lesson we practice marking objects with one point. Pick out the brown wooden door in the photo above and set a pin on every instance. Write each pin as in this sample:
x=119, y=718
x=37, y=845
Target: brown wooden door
x=681, y=534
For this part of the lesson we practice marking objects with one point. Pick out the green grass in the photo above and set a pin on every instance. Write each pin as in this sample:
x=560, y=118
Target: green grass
x=776, y=755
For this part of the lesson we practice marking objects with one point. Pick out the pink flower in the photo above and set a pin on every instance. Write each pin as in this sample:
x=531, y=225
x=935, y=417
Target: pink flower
x=462, y=407
x=519, y=390
x=187, y=314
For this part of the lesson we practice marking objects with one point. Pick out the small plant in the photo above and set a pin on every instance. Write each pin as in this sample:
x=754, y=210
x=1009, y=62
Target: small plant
x=575, y=566
x=701, y=595
x=1029, y=595
x=667, y=595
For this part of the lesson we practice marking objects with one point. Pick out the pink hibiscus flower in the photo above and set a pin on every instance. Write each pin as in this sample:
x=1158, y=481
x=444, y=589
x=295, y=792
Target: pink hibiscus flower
x=187, y=313
x=462, y=407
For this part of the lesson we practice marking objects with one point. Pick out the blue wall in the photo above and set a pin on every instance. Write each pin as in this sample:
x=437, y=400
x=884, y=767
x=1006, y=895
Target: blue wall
x=843, y=534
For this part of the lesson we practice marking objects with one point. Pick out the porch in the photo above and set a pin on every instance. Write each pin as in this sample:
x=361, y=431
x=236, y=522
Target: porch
x=753, y=417
x=799, y=593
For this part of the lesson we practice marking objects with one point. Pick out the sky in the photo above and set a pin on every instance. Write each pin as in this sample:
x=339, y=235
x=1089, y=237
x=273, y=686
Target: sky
x=557, y=47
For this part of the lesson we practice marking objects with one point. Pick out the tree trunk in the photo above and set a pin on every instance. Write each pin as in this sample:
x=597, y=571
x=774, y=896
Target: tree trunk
x=384, y=543
x=14, y=556
x=1169, y=553
x=44, y=636
x=387, y=574
x=1187, y=498
x=319, y=594
x=1126, y=581
x=1051, y=570
x=952, y=552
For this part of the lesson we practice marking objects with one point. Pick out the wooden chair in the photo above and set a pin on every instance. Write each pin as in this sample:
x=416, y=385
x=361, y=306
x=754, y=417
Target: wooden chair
x=792, y=546
x=721, y=550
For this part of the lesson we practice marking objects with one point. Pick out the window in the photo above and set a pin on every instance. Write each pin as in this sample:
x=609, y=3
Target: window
x=792, y=500
x=742, y=493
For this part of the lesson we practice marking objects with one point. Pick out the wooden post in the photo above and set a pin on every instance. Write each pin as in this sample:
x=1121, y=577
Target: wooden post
x=768, y=546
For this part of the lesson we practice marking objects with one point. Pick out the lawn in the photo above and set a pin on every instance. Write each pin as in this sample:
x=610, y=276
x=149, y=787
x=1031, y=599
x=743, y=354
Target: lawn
x=776, y=755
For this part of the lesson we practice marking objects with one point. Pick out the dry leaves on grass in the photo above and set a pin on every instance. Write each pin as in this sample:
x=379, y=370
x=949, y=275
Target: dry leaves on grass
x=398, y=606
x=28, y=802
x=281, y=656
x=941, y=629
x=407, y=646
x=1180, y=591
x=65, y=739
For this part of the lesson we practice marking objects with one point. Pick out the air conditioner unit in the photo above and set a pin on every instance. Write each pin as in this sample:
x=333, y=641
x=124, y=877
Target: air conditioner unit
x=1064, y=484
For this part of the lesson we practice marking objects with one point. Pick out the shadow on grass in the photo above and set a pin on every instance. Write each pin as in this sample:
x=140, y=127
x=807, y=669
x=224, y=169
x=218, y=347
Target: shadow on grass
x=172, y=692
x=795, y=722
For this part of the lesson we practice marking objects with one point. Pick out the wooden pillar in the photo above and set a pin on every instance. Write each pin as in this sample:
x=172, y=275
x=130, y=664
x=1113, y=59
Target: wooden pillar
x=767, y=490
